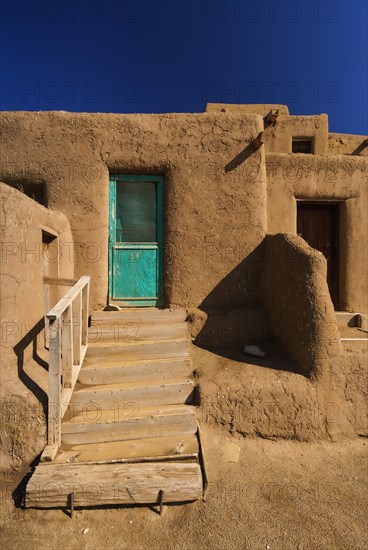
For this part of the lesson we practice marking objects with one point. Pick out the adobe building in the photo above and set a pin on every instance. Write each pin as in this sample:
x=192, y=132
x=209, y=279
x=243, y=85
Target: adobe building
x=250, y=220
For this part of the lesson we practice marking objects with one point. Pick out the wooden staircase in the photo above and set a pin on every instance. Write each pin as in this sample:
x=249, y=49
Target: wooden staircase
x=130, y=431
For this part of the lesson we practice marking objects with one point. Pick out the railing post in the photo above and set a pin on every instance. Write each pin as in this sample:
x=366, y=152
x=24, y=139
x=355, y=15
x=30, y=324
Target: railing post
x=54, y=393
x=46, y=303
x=85, y=312
x=67, y=347
x=77, y=329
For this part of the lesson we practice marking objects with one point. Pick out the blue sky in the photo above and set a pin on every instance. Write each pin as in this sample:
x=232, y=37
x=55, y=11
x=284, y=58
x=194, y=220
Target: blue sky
x=174, y=56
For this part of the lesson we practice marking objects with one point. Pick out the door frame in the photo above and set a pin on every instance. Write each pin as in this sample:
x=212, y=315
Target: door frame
x=338, y=204
x=160, y=195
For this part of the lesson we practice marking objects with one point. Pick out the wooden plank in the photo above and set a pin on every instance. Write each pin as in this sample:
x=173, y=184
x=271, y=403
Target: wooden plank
x=141, y=315
x=68, y=298
x=123, y=331
x=179, y=446
x=54, y=380
x=135, y=371
x=123, y=425
x=140, y=393
x=67, y=347
x=138, y=351
x=59, y=281
x=100, y=484
x=126, y=414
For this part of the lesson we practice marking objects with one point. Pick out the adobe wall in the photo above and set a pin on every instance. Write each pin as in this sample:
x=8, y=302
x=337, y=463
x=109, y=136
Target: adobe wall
x=260, y=108
x=23, y=372
x=347, y=144
x=340, y=178
x=279, y=137
x=213, y=190
x=295, y=293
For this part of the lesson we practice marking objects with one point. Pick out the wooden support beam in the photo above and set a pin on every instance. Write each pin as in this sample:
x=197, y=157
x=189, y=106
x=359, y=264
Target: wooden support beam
x=259, y=140
x=271, y=117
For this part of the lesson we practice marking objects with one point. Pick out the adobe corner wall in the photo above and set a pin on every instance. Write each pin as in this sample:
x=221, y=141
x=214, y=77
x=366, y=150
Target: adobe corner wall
x=295, y=293
x=23, y=369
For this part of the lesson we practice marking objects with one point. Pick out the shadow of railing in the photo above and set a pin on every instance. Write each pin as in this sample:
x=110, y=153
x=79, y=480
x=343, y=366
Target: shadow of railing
x=30, y=339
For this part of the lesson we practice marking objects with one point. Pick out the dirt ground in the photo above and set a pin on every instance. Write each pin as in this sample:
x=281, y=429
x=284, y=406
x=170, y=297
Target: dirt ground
x=262, y=494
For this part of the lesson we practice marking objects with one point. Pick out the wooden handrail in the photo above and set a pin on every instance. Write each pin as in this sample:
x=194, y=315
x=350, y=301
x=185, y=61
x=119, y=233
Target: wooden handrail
x=67, y=326
x=65, y=302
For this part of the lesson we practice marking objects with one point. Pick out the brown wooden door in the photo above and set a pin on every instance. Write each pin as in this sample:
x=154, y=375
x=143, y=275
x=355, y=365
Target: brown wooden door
x=318, y=224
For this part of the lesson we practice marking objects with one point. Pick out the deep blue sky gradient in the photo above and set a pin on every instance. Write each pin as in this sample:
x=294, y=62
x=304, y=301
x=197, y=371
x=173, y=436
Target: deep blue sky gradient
x=174, y=56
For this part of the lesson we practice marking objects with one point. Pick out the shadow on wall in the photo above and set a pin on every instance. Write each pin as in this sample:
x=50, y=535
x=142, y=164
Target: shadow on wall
x=31, y=339
x=290, y=315
x=232, y=316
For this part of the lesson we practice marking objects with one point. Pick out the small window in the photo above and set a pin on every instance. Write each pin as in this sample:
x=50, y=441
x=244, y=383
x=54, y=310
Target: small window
x=302, y=145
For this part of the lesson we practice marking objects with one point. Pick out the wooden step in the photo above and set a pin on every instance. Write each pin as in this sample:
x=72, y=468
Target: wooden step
x=141, y=314
x=152, y=448
x=137, y=351
x=146, y=394
x=128, y=371
x=112, y=484
x=125, y=332
x=129, y=424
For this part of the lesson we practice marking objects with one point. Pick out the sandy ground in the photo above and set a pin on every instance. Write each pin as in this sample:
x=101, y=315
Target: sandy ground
x=263, y=494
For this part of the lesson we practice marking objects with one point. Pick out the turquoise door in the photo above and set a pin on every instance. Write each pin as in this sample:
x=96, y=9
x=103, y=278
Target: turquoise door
x=136, y=240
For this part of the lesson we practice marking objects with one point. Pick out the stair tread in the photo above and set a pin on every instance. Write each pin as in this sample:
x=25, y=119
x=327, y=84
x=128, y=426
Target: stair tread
x=179, y=446
x=104, y=344
x=106, y=415
x=168, y=315
x=131, y=362
x=111, y=325
x=113, y=484
x=82, y=388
